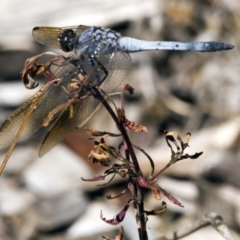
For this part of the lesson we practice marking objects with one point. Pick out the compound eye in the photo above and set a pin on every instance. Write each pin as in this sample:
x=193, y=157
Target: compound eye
x=65, y=40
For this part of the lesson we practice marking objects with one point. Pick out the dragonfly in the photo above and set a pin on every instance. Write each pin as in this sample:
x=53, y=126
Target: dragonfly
x=98, y=57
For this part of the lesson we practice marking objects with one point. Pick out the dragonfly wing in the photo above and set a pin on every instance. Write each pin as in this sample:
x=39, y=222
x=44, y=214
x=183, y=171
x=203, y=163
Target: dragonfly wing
x=71, y=118
x=79, y=29
x=47, y=36
x=52, y=97
x=118, y=67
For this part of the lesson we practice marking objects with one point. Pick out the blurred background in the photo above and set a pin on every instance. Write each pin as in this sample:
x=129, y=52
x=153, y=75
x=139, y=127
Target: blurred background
x=45, y=199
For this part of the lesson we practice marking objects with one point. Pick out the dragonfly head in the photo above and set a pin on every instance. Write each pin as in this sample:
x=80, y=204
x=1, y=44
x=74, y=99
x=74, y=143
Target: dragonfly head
x=67, y=40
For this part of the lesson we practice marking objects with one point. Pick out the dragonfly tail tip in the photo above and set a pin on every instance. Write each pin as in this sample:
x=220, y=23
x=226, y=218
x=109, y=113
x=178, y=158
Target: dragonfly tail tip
x=230, y=46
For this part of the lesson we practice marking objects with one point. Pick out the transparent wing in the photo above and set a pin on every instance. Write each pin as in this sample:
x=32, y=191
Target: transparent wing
x=82, y=110
x=117, y=66
x=51, y=97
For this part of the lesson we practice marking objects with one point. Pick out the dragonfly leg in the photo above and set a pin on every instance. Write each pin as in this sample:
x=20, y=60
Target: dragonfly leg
x=94, y=61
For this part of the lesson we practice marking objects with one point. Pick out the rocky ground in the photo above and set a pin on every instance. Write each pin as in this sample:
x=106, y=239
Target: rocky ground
x=45, y=198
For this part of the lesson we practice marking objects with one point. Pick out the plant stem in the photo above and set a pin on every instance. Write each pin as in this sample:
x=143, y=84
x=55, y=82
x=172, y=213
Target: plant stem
x=160, y=171
x=121, y=128
x=141, y=217
x=138, y=191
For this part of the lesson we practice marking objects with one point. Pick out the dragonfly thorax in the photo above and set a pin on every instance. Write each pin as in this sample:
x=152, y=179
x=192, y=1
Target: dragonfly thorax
x=98, y=41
